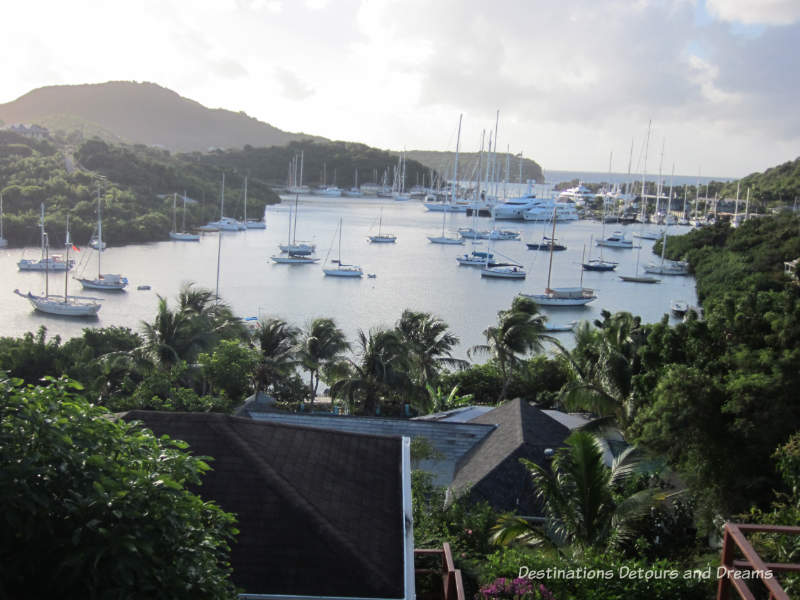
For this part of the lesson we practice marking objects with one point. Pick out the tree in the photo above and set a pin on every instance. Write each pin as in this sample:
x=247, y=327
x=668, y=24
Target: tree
x=580, y=497
x=602, y=365
x=95, y=507
x=381, y=372
x=429, y=345
x=276, y=341
x=520, y=331
x=321, y=343
x=230, y=369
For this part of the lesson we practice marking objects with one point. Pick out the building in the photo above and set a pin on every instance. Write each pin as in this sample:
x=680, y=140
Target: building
x=321, y=513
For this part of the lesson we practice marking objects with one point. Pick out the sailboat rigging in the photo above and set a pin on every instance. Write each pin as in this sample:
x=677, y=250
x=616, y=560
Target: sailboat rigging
x=342, y=269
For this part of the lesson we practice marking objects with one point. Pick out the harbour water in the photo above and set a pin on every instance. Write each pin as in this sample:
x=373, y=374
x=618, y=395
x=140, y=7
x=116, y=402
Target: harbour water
x=412, y=273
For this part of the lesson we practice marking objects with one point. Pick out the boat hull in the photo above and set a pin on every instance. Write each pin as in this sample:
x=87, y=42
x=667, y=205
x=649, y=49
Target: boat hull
x=184, y=237
x=631, y=279
x=108, y=283
x=447, y=240
x=339, y=272
x=548, y=300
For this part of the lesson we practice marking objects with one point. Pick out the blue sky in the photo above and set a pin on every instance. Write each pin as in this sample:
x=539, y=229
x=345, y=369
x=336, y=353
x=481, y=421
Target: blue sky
x=573, y=80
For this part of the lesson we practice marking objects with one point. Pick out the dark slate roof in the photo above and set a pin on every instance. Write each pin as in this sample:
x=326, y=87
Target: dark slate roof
x=451, y=440
x=492, y=471
x=320, y=513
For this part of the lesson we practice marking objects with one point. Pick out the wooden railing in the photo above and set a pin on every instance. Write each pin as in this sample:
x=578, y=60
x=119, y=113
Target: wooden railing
x=452, y=585
x=735, y=538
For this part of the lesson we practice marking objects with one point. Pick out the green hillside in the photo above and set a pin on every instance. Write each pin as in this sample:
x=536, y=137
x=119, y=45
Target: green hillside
x=136, y=184
x=140, y=113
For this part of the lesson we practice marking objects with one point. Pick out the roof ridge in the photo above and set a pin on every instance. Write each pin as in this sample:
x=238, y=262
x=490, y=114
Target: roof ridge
x=285, y=489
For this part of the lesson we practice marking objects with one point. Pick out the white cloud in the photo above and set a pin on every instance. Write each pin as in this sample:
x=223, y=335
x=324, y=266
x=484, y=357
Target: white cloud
x=756, y=12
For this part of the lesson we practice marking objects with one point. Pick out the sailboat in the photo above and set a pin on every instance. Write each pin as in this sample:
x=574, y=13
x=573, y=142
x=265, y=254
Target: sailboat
x=66, y=306
x=445, y=239
x=292, y=246
x=301, y=255
x=382, y=238
x=46, y=262
x=636, y=278
x=181, y=236
x=251, y=223
x=576, y=296
x=598, y=264
x=342, y=269
x=224, y=223
x=104, y=281
x=399, y=193
x=3, y=241
x=667, y=267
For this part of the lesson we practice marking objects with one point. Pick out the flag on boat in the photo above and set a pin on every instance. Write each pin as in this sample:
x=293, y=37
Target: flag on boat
x=74, y=247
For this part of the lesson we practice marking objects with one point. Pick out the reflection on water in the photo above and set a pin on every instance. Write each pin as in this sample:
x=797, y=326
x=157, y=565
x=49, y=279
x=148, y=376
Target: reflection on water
x=413, y=273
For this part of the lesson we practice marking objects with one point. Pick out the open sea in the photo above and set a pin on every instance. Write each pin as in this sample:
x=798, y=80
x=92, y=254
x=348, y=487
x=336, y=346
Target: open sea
x=413, y=273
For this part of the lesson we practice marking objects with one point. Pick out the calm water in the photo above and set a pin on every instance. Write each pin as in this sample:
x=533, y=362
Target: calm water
x=412, y=273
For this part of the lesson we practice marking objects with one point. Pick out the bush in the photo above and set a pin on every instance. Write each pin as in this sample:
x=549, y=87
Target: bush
x=94, y=507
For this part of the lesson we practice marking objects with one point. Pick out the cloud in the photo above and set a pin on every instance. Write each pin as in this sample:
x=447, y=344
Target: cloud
x=292, y=86
x=756, y=12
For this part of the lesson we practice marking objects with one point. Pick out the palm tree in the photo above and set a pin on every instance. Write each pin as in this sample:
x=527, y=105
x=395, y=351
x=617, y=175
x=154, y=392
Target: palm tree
x=321, y=343
x=602, y=365
x=429, y=344
x=580, y=497
x=170, y=336
x=382, y=371
x=276, y=341
x=519, y=331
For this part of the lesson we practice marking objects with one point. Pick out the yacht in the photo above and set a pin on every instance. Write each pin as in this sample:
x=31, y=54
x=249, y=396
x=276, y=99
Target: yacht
x=514, y=208
x=294, y=259
x=577, y=296
x=226, y=224
x=503, y=235
x=616, y=240
x=579, y=194
x=543, y=211
x=46, y=262
x=679, y=308
x=468, y=233
x=503, y=271
x=331, y=191
x=476, y=259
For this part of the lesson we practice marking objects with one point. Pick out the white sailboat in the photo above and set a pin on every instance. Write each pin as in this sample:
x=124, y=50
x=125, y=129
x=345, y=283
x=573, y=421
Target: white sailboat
x=3, y=241
x=292, y=246
x=342, y=269
x=446, y=239
x=224, y=223
x=300, y=257
x=251, y=223
x=382, y=238
x=104, y=281
x=66, y=306
x=182, y=235
x=667, y=267
x=46, y=262
x=567, y=296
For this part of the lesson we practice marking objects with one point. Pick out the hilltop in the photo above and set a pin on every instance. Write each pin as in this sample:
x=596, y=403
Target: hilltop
x=141, y=113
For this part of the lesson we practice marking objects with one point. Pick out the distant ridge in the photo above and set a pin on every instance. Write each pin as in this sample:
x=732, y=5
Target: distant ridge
x=467, y=161
x=141, y=113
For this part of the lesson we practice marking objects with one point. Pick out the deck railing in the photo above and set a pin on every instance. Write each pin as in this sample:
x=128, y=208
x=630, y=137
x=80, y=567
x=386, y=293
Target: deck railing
x=452, y=585
x=735, y=538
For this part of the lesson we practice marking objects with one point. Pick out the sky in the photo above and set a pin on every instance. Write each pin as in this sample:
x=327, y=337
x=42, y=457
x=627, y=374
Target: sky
x=576, y=82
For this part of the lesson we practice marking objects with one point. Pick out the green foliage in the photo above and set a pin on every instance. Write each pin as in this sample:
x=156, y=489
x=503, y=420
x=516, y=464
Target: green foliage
x=230, y=369
x=507, y=562
x=520, y=330
x=94, y=507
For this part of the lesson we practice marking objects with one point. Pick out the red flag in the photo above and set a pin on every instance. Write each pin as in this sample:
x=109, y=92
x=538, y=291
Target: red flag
x=74, y=247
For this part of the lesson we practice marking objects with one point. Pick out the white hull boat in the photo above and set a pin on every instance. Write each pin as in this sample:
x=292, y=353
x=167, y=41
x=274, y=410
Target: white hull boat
x=72, y=306
x=294, y=259
x=563, y=297
x=503, y=272
x=52, y=263
x=109, y=282
x=183, y=237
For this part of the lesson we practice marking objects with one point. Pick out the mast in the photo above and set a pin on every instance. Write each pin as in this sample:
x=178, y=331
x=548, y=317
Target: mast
x=43, y=234
x=736, y=210
x=289, y=234
x=340, y=241
x=552, y=243
x=294, y=231
x=671, y=178
x=685, y=196
x=219, y=255
x=245, y=198
x=747, y=205
x=630, y=181
x=183, y=219
x=301, y=170
x=660, y=184
x=222, y=198
x=99, y=232
x=644, y=173
x=1, y=215
x=174, y=210
x=66, y=258
x=455, y=165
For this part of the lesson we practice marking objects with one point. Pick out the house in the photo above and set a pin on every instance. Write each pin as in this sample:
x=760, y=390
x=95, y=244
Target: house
x=492, y=470
x=451, y=441
x=321, y=513
x=33, y=131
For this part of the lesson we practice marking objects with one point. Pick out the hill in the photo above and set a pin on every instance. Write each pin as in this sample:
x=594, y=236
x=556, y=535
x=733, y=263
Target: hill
x=442, y=162
x=141, y=113
x=136, y=184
